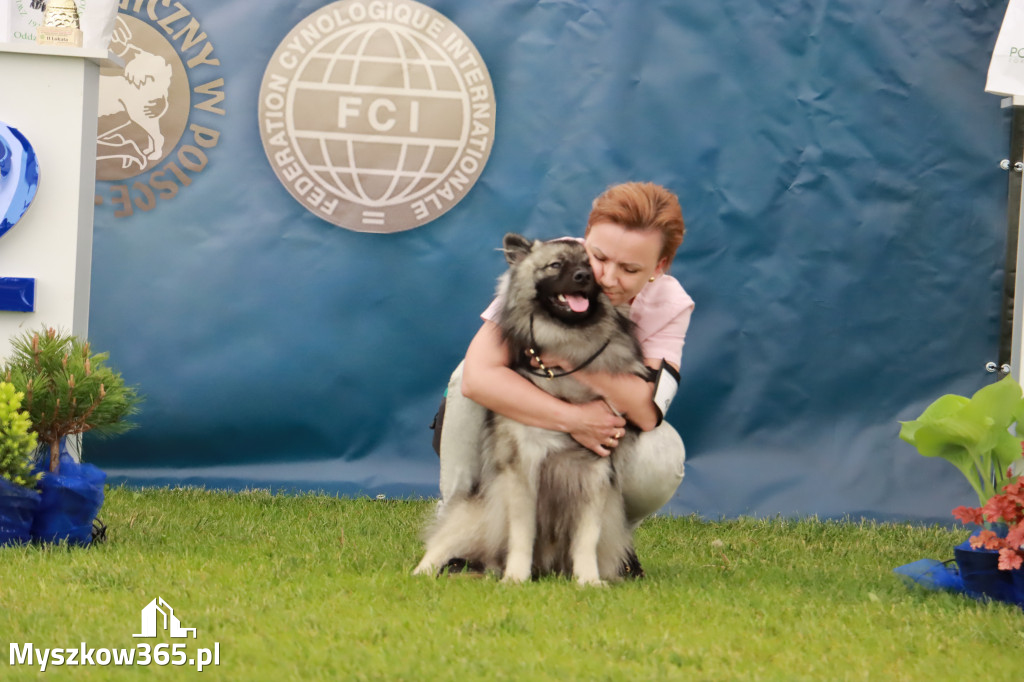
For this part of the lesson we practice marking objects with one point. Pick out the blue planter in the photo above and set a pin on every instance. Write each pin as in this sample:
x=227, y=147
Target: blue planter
x=69, y=503
x=1018, y=585
x=982, y=578
x=18, y=507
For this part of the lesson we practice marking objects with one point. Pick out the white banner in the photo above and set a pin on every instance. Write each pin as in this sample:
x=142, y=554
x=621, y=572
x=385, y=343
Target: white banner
x=1006, y=70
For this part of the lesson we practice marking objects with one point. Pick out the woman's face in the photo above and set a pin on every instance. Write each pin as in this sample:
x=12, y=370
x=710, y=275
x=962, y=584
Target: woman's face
x=624, y=260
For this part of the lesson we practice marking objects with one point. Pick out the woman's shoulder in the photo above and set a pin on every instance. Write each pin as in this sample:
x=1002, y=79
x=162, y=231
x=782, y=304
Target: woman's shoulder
x=666, y=295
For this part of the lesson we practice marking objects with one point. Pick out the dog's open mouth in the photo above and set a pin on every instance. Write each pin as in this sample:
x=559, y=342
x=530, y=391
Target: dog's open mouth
x=571, y=303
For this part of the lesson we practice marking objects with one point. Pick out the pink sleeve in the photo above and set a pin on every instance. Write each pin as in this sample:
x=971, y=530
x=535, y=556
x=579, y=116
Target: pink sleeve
x=493, y=311
x=667, y=342
x=662, y=314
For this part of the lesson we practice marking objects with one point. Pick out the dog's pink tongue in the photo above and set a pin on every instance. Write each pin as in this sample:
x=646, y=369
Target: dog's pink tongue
x=578, y=304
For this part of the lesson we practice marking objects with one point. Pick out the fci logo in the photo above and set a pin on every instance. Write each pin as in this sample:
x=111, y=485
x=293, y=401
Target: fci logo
x=377, y=116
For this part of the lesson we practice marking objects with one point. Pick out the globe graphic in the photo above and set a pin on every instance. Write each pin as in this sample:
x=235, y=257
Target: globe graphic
x=380, y=115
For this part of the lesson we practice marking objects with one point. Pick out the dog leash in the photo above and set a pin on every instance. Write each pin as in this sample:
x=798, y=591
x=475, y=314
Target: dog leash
x=549, y=373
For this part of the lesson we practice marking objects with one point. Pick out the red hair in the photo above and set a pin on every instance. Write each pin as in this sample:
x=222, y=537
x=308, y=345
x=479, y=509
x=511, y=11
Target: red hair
x=642, y=206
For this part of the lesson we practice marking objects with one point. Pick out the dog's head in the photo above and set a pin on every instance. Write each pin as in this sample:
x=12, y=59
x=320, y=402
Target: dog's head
x=555, y=275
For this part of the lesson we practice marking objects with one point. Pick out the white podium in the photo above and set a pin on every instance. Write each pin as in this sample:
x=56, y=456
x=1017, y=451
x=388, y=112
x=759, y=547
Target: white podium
x=50, y=95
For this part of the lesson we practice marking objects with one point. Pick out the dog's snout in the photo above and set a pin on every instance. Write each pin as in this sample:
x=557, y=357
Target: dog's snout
x=582, y=276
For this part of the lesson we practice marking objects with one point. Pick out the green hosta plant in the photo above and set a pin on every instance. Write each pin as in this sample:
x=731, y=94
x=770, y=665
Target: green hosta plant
x=973, y=434
x=17, y=440
x=68, y=389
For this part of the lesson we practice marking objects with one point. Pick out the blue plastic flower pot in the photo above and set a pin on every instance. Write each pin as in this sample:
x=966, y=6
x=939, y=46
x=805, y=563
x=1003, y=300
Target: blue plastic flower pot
x=70, y=501
x=982, y=578
x=18, y=507
x=1018, y=585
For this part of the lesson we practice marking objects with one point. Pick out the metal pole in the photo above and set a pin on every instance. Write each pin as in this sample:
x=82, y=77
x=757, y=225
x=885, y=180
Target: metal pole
x=1012, y=308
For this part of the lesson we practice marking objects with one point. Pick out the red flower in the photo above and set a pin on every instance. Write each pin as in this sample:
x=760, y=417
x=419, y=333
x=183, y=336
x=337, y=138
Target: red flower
x=1008, y=507
x=1001, y=508
x=1009, y=560
x=968, y=515
x=1015, y=491
x=1015, y=538
x=987, y=539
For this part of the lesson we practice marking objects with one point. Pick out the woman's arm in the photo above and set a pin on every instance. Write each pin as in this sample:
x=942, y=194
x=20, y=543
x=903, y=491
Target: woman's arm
x=662, y=336
x=630, y=395
x=488, y=380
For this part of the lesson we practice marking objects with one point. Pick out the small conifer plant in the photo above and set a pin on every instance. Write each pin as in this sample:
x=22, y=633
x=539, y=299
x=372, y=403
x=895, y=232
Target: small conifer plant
x=68, y=389
x=17, y=440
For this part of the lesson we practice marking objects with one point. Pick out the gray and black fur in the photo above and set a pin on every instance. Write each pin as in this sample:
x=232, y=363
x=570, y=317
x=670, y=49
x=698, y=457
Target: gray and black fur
x=544, y=503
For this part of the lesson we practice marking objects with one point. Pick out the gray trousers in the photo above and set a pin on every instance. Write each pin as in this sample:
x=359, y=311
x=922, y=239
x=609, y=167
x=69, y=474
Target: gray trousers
x=649, y=476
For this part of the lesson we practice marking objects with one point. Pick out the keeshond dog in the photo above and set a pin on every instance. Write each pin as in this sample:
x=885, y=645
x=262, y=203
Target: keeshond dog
x=544, y=504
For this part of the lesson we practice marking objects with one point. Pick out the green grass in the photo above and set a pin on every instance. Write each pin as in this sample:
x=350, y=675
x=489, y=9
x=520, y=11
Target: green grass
x=312, y=587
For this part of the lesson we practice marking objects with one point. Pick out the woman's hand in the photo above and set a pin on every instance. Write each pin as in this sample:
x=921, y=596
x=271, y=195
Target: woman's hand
x=628, y=394
x=597, y=428
x=488, y=380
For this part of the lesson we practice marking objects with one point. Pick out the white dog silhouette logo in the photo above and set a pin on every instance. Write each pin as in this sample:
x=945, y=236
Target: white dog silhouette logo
x=140, y=95
x=170, y=622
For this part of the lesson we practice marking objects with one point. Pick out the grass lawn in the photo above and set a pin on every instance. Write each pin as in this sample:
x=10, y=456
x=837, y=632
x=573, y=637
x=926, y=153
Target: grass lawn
x=311, y=587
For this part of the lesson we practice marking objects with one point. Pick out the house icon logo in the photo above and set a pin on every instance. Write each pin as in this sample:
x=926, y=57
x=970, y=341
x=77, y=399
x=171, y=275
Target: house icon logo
x=158, y=611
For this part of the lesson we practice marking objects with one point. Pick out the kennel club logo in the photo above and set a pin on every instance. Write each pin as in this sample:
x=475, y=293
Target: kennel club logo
x=160, y=106
x=377, y=116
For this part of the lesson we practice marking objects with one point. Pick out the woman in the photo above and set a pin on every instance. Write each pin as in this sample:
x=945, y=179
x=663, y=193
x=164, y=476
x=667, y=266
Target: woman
x=632, y=235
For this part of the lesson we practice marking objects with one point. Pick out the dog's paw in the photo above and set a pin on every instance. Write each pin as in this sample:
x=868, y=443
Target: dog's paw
x=591, y=582
x=423, y=569
x=515, y=577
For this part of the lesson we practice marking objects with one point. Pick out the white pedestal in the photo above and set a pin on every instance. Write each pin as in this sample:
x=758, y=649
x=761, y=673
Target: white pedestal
x=50, y=95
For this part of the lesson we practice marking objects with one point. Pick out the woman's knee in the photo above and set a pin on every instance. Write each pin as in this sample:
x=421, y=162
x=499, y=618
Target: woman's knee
x=459, y=443
x=653, y=472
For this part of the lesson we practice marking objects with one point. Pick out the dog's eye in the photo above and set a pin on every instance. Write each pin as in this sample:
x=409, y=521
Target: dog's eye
x=556, y=265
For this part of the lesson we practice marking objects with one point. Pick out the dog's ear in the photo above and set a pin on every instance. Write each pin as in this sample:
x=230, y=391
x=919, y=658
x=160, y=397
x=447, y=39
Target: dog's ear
x=516, y=247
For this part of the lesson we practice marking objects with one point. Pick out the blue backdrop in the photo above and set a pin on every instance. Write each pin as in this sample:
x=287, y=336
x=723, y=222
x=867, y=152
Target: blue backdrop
x=837, y=163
